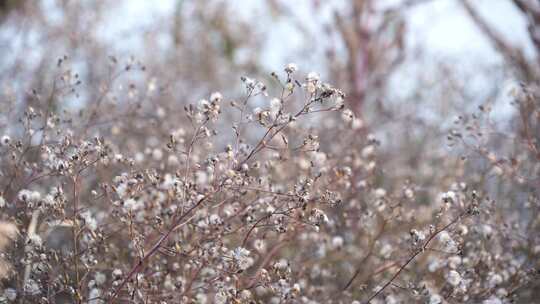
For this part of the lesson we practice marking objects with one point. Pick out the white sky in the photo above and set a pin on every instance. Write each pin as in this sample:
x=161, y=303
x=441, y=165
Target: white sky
x=440, y=27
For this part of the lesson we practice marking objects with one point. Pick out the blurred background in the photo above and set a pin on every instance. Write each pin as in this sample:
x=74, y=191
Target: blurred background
x=381, y=51
x=409, y=67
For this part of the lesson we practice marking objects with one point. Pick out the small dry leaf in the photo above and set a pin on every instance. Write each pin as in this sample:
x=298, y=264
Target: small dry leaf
x=8, y=233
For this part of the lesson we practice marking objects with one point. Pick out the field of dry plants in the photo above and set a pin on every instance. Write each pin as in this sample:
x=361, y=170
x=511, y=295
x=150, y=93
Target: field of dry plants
x=179, y=169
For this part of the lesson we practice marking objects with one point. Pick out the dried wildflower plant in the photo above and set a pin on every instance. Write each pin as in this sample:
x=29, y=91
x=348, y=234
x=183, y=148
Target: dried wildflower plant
x=276, y=196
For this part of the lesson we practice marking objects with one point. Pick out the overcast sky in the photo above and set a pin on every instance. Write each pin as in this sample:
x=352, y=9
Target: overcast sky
x=440, y=27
